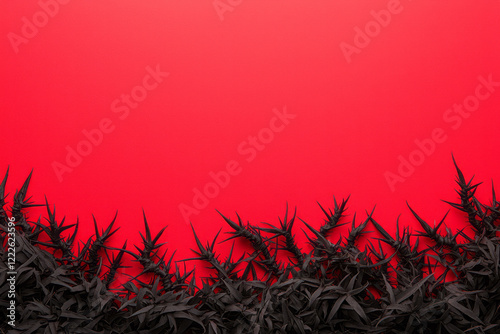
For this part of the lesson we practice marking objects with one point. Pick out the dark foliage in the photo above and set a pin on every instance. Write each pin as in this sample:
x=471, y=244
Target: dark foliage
x=391, y=285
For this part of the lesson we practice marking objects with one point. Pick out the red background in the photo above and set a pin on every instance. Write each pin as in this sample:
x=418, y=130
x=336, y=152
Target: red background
x=354, y=119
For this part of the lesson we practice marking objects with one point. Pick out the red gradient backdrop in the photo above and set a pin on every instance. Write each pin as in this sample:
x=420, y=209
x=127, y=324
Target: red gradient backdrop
x=359, y=100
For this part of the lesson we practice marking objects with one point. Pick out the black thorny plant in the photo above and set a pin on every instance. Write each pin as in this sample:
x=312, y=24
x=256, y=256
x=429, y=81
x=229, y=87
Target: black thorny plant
x=390, y=285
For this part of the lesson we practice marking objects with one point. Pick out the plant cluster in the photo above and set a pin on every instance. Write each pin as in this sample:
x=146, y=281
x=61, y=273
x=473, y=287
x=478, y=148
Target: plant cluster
x=392, y=284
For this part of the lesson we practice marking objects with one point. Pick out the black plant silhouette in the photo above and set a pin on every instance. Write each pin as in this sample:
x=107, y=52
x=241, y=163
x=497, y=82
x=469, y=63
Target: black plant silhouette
x=448, y=283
